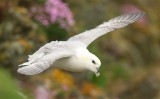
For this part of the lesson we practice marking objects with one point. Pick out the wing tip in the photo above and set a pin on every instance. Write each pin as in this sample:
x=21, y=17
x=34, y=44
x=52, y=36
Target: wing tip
x=141, y=13
x=29, y=70
x=20, y=71
x=137, y=12
x=134, y=16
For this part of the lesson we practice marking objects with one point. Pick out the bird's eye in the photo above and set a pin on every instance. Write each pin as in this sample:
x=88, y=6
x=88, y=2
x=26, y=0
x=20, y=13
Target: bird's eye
x=93, y=62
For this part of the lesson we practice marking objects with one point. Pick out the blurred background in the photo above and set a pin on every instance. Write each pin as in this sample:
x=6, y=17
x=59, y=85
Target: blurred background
x=130, y=56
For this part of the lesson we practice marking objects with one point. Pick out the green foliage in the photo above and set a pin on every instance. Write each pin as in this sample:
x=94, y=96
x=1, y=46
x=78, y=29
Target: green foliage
x=54, y=32
x=119, y=71
x=8, y=87
x=124, y=54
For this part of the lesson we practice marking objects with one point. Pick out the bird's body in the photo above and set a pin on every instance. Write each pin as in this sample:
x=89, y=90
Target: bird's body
x=72, y=63
x=73, y=55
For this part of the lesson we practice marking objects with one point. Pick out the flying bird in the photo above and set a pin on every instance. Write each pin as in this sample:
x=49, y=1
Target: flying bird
x=73, y=55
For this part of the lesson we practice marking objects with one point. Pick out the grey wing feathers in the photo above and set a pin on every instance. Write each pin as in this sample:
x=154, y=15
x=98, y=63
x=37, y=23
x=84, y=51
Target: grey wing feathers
x=123, y=20
x=49, y=47
x=118, y=22
x=42, y=60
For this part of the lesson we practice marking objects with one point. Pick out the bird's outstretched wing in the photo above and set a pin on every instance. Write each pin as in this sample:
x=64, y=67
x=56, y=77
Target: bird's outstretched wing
x=118, y=22
x=43, y=59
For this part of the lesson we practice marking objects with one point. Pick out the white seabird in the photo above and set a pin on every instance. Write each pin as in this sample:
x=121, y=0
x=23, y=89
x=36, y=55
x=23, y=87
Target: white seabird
x=73, y=55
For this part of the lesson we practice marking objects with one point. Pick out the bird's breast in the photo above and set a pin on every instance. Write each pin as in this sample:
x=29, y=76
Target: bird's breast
x=69, y=64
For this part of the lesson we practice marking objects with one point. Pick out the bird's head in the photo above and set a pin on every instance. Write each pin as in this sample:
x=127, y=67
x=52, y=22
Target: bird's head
x=95, y=64
x=90, y=62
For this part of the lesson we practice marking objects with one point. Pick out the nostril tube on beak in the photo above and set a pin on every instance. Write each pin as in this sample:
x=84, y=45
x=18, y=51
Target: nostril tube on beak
x=97, y=69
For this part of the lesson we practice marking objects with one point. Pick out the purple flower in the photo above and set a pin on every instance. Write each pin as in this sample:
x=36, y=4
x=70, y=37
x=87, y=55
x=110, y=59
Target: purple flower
x=54, y=11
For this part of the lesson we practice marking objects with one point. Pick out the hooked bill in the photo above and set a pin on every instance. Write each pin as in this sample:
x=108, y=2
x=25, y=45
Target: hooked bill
x=97, y=74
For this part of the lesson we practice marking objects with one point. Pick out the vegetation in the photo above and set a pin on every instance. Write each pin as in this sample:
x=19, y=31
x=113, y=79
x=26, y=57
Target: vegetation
x=130, y=56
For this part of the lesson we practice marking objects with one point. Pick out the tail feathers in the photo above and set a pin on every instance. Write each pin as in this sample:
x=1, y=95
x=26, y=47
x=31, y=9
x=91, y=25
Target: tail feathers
x=33, y=68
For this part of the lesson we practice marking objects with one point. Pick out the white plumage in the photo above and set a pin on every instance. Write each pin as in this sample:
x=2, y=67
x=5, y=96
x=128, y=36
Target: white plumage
x=72, y=55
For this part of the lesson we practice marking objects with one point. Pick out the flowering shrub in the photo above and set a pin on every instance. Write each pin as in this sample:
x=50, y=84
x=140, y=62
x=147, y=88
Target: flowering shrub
x=54, y=11
x=53, y=84
x=60, y=83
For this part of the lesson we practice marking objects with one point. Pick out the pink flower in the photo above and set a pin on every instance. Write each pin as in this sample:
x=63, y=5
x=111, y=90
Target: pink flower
x=65, y=87
x=54, y=11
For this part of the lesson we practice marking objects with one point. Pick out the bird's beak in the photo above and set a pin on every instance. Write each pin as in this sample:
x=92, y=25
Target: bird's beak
x=97, y=72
